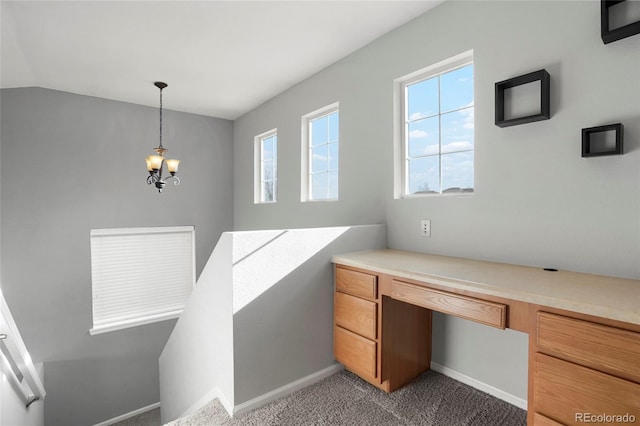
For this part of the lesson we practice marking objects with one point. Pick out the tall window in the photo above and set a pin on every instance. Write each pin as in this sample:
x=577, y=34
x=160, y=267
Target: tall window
x=321, y=136
x=438, y=128
x=266, y=188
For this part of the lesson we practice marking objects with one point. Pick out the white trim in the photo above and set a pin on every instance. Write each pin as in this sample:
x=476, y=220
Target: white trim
x=134, y=322
x=400, y=173
x=484, y=387
x=305, y=181
x=129, y=415
x=285, y=390
x=214, y=393
x=31, y=385
x=142, y=230
x=257, y=166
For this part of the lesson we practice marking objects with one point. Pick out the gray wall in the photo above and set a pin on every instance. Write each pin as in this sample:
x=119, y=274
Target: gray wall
x=537, y=202
x=256, y=334
x=72, y=163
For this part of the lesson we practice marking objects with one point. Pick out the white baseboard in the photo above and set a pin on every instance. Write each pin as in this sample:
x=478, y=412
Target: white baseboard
x=484, y=387
x=129, y=415
x=214, y=393
x=285, y=390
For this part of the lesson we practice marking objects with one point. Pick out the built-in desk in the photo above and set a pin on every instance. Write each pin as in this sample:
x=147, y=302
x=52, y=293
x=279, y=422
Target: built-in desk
x=584, y=329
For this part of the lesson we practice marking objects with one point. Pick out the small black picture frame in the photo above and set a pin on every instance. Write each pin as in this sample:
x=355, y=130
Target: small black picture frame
x=545, y=98
x=610, y=35
x=594, y=142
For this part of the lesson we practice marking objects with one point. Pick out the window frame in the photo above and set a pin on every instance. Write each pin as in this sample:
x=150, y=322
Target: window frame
x=171, y=310
x=401, y=172
x=258, y=183
x=306, y=193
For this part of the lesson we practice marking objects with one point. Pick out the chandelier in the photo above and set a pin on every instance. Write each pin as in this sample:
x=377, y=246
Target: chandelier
x=156, y=162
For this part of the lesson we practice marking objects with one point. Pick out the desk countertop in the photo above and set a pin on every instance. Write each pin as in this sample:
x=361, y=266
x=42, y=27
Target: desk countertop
x=598, y=295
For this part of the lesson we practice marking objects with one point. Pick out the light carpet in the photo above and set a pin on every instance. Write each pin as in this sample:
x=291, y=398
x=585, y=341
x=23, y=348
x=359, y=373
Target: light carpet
x=345, y=399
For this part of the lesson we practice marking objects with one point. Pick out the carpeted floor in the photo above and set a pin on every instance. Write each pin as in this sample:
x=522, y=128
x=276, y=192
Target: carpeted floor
x=344, y=399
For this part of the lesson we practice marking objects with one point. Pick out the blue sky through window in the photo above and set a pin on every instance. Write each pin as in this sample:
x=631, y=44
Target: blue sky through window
x=269, y=169
x=440, y=133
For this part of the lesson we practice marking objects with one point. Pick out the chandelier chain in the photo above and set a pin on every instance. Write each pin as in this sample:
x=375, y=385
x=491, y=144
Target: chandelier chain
x=160, y=118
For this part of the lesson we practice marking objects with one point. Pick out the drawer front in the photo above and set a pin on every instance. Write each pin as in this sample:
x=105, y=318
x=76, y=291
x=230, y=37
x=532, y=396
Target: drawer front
x=357, y=315
x=568, y=392
x=355, y=352
x=540, y=420
x=482, y=311
x=605, y=348
x=356, y=283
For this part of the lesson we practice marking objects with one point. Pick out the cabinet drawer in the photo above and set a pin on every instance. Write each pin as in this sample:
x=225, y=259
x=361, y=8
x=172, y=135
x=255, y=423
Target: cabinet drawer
x=540, y=420
x=564, y=390
x=482, y=311
x=357, y=315
x=356, y=283
x=605, y=348
x=355, y=352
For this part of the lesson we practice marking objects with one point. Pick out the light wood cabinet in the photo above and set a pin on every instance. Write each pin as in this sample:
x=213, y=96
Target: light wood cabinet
x=356, y=353
x=357, y=315
x=540, y=420
x=386, y=355
x=357, y=283
x=355, y=337
x=597, y=346
x=482, y=311
x=583, y=368
x=581, y=363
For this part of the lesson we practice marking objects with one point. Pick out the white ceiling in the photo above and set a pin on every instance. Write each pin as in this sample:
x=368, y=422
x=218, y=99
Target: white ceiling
x=219, y=58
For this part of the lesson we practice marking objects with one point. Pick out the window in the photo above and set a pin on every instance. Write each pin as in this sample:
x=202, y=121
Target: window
x=266, y=154
x=140, y=275
x=320, y=136
x=436, y=134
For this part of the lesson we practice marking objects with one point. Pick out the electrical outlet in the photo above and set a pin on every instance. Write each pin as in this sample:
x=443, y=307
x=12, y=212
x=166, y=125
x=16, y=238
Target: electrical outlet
x=425, y=228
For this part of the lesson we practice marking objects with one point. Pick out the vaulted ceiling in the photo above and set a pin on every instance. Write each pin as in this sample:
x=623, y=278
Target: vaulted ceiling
x=219, y=58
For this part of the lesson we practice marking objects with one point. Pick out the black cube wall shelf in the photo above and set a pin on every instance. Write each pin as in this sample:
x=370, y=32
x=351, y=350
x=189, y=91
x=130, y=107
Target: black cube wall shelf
x=545, y=109
x=609, y=35
x=595, y=143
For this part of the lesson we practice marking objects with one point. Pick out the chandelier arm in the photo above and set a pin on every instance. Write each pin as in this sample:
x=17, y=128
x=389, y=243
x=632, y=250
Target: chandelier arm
x=176, y=179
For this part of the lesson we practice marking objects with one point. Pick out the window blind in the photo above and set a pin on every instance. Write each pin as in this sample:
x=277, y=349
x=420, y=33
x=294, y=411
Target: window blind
x=140, y=275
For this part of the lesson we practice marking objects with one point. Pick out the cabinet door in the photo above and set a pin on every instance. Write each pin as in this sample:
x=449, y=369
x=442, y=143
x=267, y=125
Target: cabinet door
x=357, y=315
x=597, y=346
x=355, y=352
x=357, y=283
x=569, y=392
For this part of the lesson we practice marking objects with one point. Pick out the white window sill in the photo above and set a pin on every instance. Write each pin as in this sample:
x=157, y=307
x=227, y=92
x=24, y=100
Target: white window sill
x=121, y=325
x=467, y=194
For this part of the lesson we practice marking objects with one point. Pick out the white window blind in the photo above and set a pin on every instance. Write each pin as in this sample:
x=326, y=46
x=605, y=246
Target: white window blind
x=140, y=275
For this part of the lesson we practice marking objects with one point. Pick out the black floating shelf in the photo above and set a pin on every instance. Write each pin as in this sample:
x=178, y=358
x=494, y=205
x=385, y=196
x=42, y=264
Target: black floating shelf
x=596, y=147
x=610, y=35
x=545, y=107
